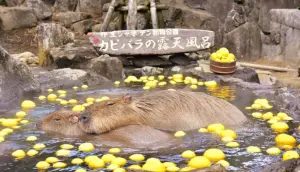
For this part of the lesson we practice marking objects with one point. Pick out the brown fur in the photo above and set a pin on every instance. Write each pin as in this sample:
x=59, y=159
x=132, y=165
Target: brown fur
x=137, y=136
x=164, y=110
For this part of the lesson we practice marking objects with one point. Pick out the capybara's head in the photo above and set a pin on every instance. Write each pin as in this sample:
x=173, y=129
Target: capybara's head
x=108, y=115
x=63, y=122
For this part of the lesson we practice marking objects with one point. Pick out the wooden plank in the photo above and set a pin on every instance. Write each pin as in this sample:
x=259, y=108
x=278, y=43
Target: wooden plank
x=140, y=8
x=108, y=15
x=153, y=14
x=132, y=13
x=273, y=68
x=152, y=41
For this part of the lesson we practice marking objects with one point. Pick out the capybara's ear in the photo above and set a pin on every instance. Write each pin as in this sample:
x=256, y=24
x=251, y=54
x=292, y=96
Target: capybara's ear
x=127, y=98
x=73, y=119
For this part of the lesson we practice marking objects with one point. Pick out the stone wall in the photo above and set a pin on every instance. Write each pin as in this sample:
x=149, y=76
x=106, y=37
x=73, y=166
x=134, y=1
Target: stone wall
x=245, y=27
x=283, y=43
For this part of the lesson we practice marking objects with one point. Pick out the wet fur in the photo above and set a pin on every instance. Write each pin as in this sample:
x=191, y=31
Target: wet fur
x=164, y=110
x=135, y=136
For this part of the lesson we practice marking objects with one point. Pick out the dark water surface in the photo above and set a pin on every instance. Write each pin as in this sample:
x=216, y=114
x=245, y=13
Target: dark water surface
x=253, y=133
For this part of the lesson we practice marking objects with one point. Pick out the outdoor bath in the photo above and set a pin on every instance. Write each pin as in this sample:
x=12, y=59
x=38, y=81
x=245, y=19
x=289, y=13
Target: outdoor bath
x=253, y=133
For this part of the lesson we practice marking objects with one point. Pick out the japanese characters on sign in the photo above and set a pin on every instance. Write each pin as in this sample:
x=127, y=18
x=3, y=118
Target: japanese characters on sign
x=153, y=41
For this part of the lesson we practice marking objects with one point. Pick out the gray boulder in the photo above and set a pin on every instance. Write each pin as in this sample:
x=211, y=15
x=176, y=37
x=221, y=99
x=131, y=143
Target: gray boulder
x=26, y=57
x=248, y=11
x=147, y=71
x=51, y=35
x=68, y=18
x=40, y=9
x=16, y=17
x=218, y=9
x=70, y=54
x=267, y=5
x=83, y=27
x=91, y=6
x=141, y=61
x=16, y=79
x=12, y=3
x=66, y=78
x=109, y=67
x=236, y=42
x=65, y=5
x=283, y=43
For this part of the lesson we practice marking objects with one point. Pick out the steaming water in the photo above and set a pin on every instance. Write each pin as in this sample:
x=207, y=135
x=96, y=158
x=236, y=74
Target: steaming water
x=253, y=133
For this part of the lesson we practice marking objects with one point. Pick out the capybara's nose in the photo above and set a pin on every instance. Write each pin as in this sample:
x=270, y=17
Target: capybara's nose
x=84, y=118
x=38, y=124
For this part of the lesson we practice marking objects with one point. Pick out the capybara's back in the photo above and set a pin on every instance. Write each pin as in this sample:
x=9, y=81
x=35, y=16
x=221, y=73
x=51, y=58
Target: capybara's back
x=185, y=110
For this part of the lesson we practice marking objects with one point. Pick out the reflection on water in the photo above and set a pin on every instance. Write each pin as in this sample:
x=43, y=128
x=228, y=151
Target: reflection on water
x=253, y=133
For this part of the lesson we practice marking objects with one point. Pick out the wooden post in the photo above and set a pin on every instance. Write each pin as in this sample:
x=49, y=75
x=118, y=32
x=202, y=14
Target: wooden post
x=108, y=15
x=132, y=13
x=153, y=14
x=121, y=16
x=160, y=17
x=139, y=8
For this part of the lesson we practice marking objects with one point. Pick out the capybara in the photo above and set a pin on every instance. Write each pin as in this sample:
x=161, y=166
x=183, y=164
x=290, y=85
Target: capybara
x=66, y=122
x=164, y=110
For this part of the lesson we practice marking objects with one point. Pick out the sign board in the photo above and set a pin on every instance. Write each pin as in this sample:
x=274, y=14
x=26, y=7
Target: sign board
x=152, y=41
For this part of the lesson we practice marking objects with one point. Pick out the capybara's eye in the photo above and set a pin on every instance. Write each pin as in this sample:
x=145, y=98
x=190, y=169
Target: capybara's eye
x=57, y=119
x=110, y=103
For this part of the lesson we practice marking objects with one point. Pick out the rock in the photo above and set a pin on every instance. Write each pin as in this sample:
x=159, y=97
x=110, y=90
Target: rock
x=283, y=43
x=176, y=69
x=109, y=67
x=12, y=3
x=65, y=5
x=151, y=71
x=290, y=82
x=126, y=61
x=16, y=79
x=203, y=55
x=246, y=50
x=68, y=18
x=40, y=9
x=286, y=17
x=266, y=6
x=91, y=6
x=51, y=35
x=71, y=54
x=27, y=58
x=202, y=20
x=266, y=79
x=285, y=166
x=16, y=17
x=246, y=74
x=83, y=27
x=180, y=59
x=143, y=21
x=130, y=71
x=248, y=11
x=97, y=28
x=218, y=9
x=171, y=16
x=66, y=78
x=141, y=61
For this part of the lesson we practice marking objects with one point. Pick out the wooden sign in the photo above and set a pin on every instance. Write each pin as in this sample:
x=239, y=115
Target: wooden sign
x=152, y=41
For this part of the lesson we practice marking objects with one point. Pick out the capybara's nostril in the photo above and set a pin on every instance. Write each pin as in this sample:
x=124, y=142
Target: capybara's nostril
x=84, y=118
